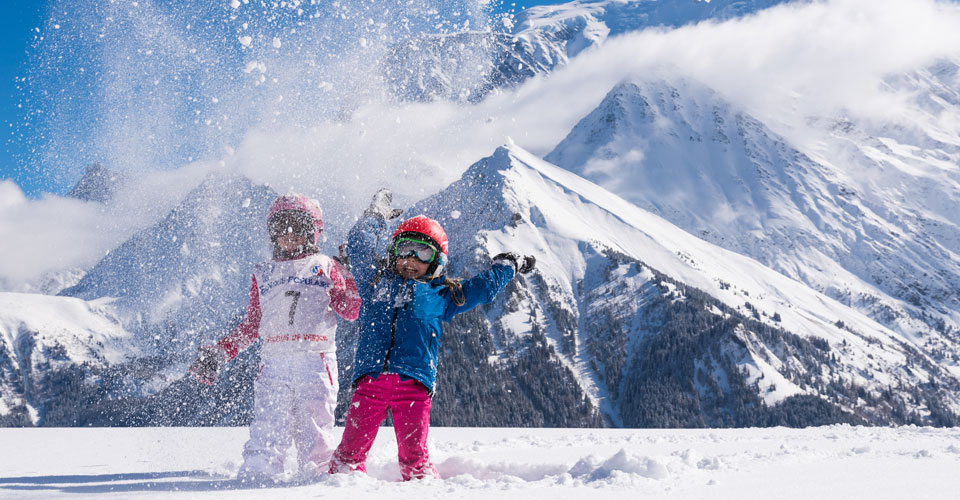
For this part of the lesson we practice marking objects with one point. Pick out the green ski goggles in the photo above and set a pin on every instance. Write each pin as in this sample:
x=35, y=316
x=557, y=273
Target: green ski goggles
x=408, y=247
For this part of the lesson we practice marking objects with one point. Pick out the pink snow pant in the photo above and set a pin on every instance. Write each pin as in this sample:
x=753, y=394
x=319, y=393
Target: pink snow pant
x=294, y=400
x=410, y=403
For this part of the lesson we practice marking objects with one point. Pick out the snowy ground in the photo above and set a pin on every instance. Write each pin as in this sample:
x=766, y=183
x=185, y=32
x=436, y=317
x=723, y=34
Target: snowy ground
x=817, y=463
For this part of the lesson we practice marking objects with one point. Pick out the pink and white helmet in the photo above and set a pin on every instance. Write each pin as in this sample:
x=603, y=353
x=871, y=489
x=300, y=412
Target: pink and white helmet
x=296, y=213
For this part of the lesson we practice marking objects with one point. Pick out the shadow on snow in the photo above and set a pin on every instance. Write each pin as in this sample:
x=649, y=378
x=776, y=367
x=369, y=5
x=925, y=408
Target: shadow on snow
x=195, y=480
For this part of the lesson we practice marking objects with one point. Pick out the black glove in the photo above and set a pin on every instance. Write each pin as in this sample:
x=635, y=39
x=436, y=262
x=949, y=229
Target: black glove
x=207, y=367
x=522, y=264
x=343, y=258
x=380, y=205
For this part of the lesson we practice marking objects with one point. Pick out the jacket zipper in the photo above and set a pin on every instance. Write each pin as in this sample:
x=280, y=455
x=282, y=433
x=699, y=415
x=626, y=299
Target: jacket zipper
x=407, y=296
x=393, y=338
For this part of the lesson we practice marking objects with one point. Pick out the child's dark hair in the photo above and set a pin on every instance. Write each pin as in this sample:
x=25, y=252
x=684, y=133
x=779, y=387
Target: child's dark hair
x=456, y=290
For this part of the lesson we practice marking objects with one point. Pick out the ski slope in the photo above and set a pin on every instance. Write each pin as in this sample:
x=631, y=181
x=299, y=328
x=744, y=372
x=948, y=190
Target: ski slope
x=481, y=463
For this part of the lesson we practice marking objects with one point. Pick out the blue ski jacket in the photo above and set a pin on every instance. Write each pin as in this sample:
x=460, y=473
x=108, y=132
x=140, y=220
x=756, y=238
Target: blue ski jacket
x=400, y=319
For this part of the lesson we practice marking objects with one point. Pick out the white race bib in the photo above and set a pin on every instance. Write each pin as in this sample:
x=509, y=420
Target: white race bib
x=295, y=305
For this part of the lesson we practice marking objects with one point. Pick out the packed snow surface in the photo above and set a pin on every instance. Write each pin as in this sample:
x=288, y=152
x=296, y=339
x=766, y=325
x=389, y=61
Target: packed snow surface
x=821, y=463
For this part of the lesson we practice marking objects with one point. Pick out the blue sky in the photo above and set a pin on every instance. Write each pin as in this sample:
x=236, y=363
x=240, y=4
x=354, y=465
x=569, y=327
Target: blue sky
x=17, y=18
x=518, y=5
x=17, y=21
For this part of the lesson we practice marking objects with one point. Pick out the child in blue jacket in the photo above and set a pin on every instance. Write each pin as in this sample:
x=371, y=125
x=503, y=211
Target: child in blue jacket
x=405, y=300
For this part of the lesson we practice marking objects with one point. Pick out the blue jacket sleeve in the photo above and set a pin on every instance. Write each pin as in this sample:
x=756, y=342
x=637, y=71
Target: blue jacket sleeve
x=362, y=246
x=480, y=289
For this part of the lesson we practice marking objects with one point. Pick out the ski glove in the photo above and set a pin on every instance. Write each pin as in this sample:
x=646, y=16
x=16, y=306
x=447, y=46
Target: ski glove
x=380, y=205
x=522, y=264
x=342, y=257
x=207, y=367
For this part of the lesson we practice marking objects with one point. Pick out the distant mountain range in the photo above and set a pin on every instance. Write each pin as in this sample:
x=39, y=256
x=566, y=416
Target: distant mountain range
x=628, y=320
x=465, y=67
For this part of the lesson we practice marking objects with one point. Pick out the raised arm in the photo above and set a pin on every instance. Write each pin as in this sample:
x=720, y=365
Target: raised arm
x=483, y=287
x=480, y=289
x=363, y=241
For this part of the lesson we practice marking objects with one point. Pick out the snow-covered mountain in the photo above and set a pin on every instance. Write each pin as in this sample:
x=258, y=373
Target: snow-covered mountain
x=97, y=184
x=866, y=215
x=467, y=66
x=627, y=320
x=49, y=345
x=168, y=289
x=187, y=273
x=642, y=313
x=872, y=224
x=460, y=67
x=560, y=32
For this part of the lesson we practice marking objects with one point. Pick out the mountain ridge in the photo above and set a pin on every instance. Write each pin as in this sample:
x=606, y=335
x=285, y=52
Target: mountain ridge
x=580, y=342
x=679, y=150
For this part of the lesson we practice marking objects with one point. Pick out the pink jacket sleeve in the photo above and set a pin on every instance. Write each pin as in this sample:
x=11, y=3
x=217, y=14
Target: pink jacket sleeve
x=248, y=331
x=344, y=298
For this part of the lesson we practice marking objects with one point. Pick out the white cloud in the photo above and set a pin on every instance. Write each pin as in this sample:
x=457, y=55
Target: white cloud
x=10, y=195
x=55, y=233
x=49, y=234
x=782, y=65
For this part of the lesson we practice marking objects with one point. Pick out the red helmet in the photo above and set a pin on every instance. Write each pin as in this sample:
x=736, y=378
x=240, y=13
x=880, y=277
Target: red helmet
x=424, y=228
x=297, y=206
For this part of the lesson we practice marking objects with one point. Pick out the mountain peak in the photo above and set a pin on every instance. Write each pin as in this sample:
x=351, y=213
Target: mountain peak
x=679, y=150
x=165, y=273
x=97, y=184
x=605, y=268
